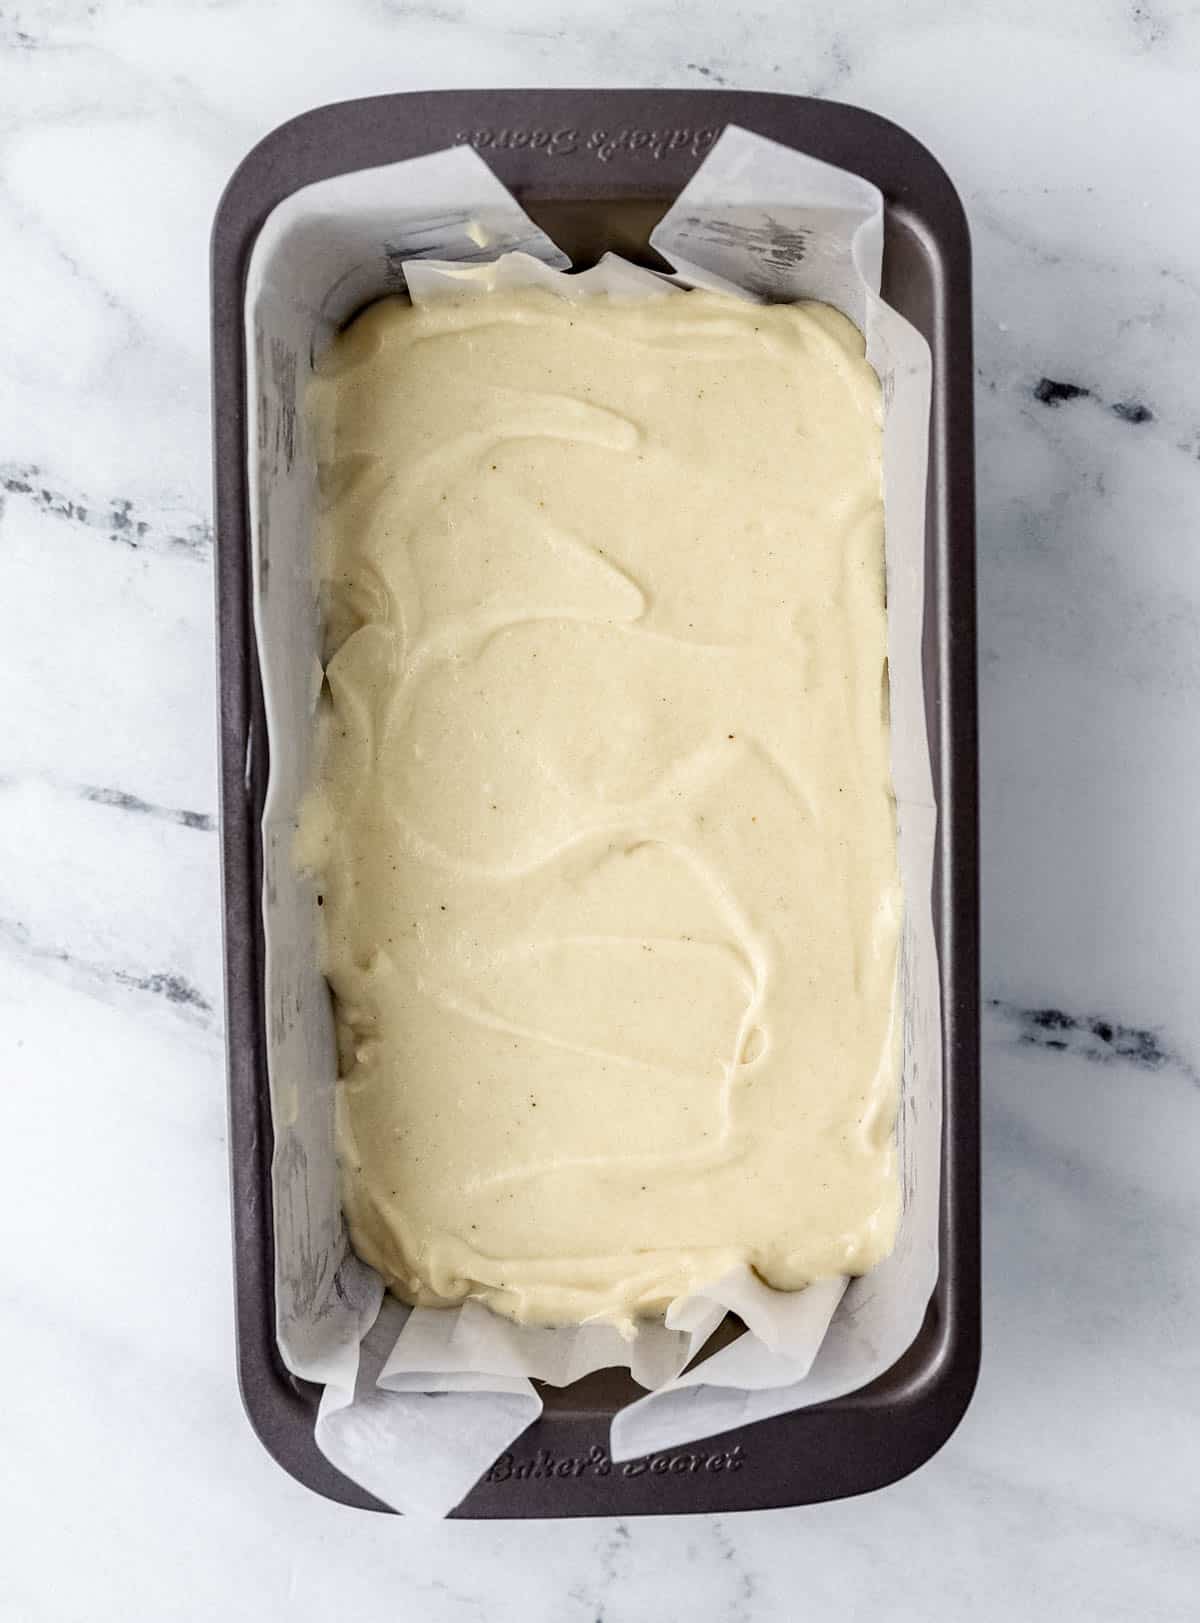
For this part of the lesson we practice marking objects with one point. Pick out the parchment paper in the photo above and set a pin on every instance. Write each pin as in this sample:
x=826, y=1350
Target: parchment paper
x=418, y=1404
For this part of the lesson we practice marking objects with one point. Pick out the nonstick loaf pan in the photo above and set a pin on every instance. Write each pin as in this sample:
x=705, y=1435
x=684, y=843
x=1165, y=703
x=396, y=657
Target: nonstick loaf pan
x=597, y=169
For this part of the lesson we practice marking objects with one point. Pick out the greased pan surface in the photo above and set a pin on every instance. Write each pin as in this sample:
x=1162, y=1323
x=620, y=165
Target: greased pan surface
x=597, y=169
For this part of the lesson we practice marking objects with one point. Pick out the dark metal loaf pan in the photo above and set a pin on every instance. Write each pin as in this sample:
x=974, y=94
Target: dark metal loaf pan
x=597, y=169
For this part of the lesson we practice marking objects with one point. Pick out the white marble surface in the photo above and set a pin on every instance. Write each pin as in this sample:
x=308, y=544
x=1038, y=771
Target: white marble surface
x=132, y=1486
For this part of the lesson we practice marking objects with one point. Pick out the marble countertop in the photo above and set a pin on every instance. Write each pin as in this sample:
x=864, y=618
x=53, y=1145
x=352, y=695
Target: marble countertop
x=133, y=1486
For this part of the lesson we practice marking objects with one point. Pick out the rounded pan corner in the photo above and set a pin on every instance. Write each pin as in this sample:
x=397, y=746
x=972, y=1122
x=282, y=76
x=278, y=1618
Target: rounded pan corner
x=267, y=174
x=881, y=1442
x=954, y=1396
x=925, y=186
x=282, y=1423
x=946, y=1409
x=909, y=1414
x=937, y=1402
x=308, y=146
x=267, y=162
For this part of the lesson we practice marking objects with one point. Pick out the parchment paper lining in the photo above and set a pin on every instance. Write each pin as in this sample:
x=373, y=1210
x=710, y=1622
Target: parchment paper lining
x=418, y=1404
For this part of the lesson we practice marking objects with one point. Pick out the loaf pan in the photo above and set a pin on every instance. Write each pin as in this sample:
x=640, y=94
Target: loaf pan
x=597, y=169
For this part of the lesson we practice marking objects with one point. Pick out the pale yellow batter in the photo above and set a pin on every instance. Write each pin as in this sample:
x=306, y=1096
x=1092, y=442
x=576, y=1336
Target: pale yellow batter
x=603, y=830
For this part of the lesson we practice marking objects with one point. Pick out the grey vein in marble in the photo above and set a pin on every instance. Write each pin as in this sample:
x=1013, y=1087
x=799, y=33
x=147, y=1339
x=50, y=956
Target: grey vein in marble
x=708, y=73
x=611, y=1553
x=118, y=518
x=15, y=38
x=1091, y=1037
x=742, y=1607
x=1052, y=393
x=1149, y=25
x=122, y=800
x=102, y=794
x=98, y=978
